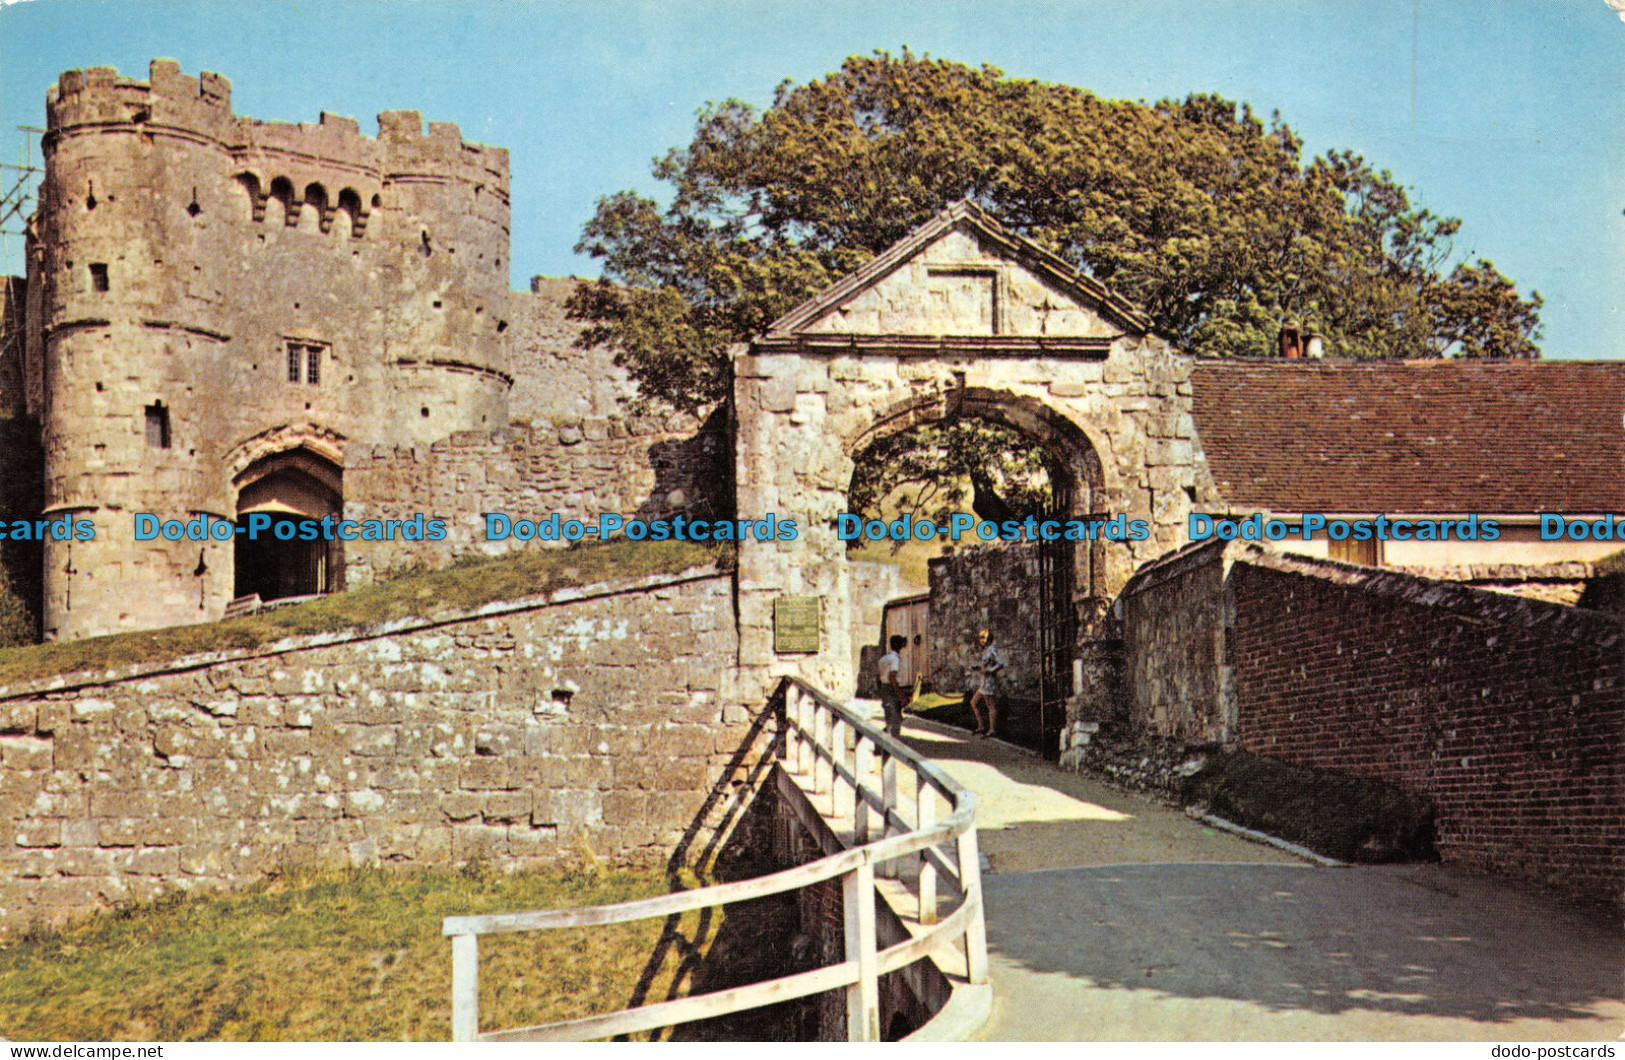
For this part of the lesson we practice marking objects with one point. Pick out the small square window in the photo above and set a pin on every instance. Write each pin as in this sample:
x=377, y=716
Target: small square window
x=98, y=277
x=305, y=362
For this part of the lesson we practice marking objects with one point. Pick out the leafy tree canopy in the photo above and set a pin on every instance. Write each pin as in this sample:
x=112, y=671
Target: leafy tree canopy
x=1197, y=210
x=957, y=465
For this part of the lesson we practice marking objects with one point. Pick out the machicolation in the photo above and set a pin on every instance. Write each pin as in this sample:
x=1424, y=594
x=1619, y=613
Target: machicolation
x=227, y=316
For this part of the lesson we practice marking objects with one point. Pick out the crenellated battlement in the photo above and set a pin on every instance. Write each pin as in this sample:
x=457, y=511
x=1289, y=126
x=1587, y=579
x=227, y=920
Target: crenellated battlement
x=208, y=279
x=97, y=100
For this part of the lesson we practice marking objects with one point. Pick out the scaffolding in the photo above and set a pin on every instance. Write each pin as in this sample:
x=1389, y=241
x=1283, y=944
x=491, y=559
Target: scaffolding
x=17, y=186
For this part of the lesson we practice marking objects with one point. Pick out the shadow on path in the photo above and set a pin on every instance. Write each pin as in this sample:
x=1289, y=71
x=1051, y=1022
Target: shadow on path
x=1411, y=940
x=1113, y=917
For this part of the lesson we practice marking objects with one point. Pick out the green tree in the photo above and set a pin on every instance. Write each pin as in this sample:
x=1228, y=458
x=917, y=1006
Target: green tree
x=22, y=484
x=1197, y=210
x=16, y=623
x=956, y=465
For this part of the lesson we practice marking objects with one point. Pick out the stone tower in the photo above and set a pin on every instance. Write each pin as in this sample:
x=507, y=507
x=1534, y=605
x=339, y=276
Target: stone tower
x=224, y=306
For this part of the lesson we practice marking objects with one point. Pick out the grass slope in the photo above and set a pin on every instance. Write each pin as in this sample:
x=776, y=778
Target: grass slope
x=355, y=956
x=425, y=593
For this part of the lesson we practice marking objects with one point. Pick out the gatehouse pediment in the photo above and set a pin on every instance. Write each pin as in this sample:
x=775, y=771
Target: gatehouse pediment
x=962, y=275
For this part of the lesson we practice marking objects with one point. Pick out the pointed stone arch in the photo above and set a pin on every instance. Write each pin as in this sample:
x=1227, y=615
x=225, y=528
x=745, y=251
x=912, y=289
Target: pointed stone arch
x=287, y=490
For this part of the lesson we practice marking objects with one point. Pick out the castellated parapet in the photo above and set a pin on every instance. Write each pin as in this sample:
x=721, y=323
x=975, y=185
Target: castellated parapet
x=225, y=307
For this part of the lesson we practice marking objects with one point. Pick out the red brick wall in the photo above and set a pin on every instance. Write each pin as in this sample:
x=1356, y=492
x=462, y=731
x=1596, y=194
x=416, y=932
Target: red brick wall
x=1509, y=713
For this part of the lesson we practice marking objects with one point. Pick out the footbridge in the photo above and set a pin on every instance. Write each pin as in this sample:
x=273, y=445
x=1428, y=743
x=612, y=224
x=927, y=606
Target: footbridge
x=899, y=834
x=1108, y=916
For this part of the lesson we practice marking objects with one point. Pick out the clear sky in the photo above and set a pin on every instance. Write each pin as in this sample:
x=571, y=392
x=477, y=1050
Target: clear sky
x=1509, y=114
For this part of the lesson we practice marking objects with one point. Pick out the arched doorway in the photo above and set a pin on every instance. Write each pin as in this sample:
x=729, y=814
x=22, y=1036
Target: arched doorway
x=960, y=311
x=283, y=498
x=1039, y=596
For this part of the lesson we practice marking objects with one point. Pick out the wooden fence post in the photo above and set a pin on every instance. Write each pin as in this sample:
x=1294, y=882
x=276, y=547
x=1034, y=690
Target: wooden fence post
x=926, y=804
x=792, y=738
x=970, y=881
x=840, y=803
x=888, y=798
x=809, y=733
x=863, y=765
x=863, y=996
x=821, y=766
x=465, y=988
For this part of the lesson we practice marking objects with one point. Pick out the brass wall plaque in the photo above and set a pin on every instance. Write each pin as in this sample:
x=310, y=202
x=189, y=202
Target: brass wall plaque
x=795, y=623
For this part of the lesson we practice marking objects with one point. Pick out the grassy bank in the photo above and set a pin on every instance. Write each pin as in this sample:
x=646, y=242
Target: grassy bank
x=421, y=594
x=352, y=956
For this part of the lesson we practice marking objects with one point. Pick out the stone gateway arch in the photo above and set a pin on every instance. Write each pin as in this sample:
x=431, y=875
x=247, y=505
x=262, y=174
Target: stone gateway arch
x=961, y=318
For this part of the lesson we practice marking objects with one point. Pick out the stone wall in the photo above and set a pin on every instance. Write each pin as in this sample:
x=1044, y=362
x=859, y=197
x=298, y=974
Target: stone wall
x=1174, y=628
x=959, y=320
x=524, y=732
x=607, y=448
x=874, y=585
x=576, y=446
x=1508, y=713
x=993, y=587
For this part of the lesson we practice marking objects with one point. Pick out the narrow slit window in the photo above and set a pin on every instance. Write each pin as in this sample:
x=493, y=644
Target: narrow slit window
x=157, y=426
x=98, y=276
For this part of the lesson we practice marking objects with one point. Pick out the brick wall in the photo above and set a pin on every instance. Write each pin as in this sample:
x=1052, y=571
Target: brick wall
x=590, y=719
x=1509, y=713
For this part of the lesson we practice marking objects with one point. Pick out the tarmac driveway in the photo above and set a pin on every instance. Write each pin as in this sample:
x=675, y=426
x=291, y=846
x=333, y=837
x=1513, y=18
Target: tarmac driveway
x=1234, y=951
x=1111, y=917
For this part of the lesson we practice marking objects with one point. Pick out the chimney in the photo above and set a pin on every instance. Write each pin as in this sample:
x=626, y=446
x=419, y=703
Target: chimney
x=1291, y=341
x=1314, y=346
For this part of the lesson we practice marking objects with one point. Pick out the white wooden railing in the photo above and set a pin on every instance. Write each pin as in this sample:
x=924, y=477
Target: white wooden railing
x=832, y=753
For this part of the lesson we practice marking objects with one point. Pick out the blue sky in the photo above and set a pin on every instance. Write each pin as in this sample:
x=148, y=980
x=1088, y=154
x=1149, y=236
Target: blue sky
x=1509, y=115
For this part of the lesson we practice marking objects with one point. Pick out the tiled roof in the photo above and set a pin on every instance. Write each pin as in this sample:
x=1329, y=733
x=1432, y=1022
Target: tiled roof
x=1419, y=436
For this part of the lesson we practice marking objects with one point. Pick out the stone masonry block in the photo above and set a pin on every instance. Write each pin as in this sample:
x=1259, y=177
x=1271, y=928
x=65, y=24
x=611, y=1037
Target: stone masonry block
x=25, y=752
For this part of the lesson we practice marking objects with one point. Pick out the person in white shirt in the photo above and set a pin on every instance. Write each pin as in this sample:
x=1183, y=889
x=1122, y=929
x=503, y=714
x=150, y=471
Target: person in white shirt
x=891, y=693
x=987, y=692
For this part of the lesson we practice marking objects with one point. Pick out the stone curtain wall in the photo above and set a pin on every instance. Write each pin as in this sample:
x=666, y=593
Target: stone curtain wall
x=1174, y=642
x=985, y=587
x=874, y=585
x=528, y=473
x=1509, y=713
x=576, y=444
x=521, y=734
